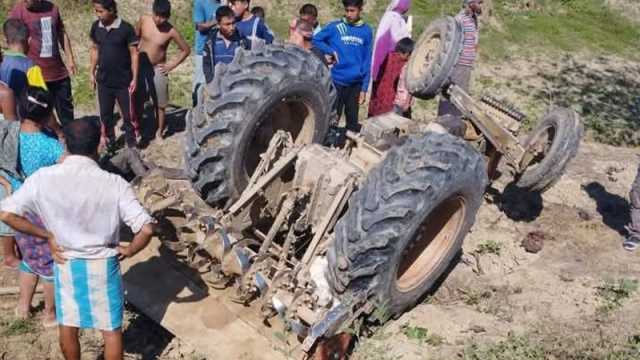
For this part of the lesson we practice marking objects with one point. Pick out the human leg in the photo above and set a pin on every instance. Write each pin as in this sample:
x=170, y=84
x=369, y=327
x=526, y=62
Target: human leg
x=27, y=282
x=340, y=99
x=113, y=348
x=49, y=303
x=60, y=91
x=460, y=76
x=124, y=101
x=161, y=85
x=632, y=241
x=10, y=258
x=69, y=344
x=352, y=106
x=198, y=78
x=106, y=102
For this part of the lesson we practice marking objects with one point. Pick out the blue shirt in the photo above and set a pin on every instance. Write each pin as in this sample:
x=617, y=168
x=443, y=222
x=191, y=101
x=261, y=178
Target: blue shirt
x=203, y=11
x=36, y=150
x=353, y=43
x=245, y=28
x=224, y=54
x=13, y=71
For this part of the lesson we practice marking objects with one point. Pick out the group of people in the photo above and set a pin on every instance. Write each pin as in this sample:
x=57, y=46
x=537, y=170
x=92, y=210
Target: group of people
x=60, y=213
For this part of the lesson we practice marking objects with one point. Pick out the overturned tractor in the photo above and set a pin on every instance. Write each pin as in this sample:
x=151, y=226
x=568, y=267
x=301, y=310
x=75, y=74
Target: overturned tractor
x=323, y=238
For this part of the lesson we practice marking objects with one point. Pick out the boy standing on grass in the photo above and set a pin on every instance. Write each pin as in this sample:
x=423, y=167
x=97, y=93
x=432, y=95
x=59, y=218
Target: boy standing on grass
x=156, y=33
x=349, y=42
x=249, y=25
x=114, y=69
x=47, y=35
x=223, y=42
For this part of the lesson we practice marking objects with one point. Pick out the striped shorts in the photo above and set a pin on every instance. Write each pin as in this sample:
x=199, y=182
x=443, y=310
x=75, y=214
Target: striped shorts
x=88, y=293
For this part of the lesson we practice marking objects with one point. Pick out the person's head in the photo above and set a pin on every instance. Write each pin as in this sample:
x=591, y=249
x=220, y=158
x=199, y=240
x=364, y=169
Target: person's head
x=305, y=29
x=473, y=7
x=30, y=4
x=309, y=12
x=161, y=11
x=16, y=32
x=352, y=10
x=239, y=7
x=35, y=104
x=405, y=47
x=106, y=10
x=82, y=137
x=226, y=21
x=259, y=12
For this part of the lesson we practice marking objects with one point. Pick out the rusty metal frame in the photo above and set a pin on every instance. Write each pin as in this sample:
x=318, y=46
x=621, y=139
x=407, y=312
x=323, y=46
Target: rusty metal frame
x=498, y=136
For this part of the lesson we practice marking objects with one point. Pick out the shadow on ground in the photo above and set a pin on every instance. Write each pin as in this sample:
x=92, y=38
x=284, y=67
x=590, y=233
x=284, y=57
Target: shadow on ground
x=614, y=209
x=518, y=204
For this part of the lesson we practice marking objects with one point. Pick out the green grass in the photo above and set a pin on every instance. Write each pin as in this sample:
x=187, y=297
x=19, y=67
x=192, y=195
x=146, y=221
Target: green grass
x=513, y=348
x=421, y=335
x=18, y=327
x=489, y=247
x=614, y=293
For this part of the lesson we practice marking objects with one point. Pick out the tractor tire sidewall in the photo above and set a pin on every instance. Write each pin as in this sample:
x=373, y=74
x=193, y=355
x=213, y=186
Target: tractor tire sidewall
x=568, y=134
x=384, y=215
x=428, y=82
x=316, y=101
x=237, y=101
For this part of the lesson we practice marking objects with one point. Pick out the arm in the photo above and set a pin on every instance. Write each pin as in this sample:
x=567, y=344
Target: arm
x=8, y=104
x=93, y=64
x=136, y=218
x=6, y=185
x=203, y=25
x=366, y=65
x=208, y=65
x=320, y=40
x=68, y=50
x=133, y=52
x=266, y=34
x=184, y=52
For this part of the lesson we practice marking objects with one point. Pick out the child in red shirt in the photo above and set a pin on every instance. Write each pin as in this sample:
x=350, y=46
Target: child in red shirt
x=389, y=90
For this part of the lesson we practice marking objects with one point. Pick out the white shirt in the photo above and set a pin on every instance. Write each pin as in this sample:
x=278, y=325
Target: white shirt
x=82, y=205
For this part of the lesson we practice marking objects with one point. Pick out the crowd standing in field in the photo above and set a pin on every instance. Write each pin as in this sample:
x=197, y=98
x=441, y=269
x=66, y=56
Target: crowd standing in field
x=60, y=214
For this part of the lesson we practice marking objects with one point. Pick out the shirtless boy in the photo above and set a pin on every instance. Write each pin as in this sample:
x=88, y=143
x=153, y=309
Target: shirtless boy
x=156, y=33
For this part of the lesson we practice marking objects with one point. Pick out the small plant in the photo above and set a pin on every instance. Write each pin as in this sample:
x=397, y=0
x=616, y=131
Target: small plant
x=614, y=293
x=489, y=247
x=18, y=327
x=421, y=335
x=513, y=348
x=473, y=297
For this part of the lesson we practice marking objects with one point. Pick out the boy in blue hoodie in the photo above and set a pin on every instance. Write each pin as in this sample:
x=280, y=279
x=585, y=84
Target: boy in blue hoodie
x=349, y=42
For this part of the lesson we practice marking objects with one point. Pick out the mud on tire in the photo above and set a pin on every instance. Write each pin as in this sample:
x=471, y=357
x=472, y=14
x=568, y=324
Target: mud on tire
x=407, y=222
x=261, y=91
x=562, y=131
x=436, y=54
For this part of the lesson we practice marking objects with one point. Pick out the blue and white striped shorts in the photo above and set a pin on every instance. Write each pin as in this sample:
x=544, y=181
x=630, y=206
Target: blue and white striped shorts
x=88, y=293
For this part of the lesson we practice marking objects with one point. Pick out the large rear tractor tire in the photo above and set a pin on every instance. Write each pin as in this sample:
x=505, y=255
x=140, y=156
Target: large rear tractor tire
x=435, y=55
x=406, y=224
x=275, y=87
x=554, y=143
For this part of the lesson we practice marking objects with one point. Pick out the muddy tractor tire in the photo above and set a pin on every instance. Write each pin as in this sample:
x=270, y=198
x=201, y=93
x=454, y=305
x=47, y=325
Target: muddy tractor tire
x=276, y=87
x=555, y=141
x=436, y=54
x=406, y=224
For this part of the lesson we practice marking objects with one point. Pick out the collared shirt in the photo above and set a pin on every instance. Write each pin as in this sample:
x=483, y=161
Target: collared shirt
x=224, y=51
x=82, y=205
x=114, y=59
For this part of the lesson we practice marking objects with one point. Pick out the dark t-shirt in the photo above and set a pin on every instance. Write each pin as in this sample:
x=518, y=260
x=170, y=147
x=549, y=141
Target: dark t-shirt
x=114, y=59
x=46, y=32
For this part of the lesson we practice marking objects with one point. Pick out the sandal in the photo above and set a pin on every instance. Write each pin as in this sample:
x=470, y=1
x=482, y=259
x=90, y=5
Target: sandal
x=631, y=242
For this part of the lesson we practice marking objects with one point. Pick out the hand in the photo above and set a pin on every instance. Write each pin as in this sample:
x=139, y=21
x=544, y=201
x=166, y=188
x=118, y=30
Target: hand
x=165, y=68
x=362, y=98
x=71, y=67
x=330, y=59
x=132, y=86
x=124, y=252
x=56, y=250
